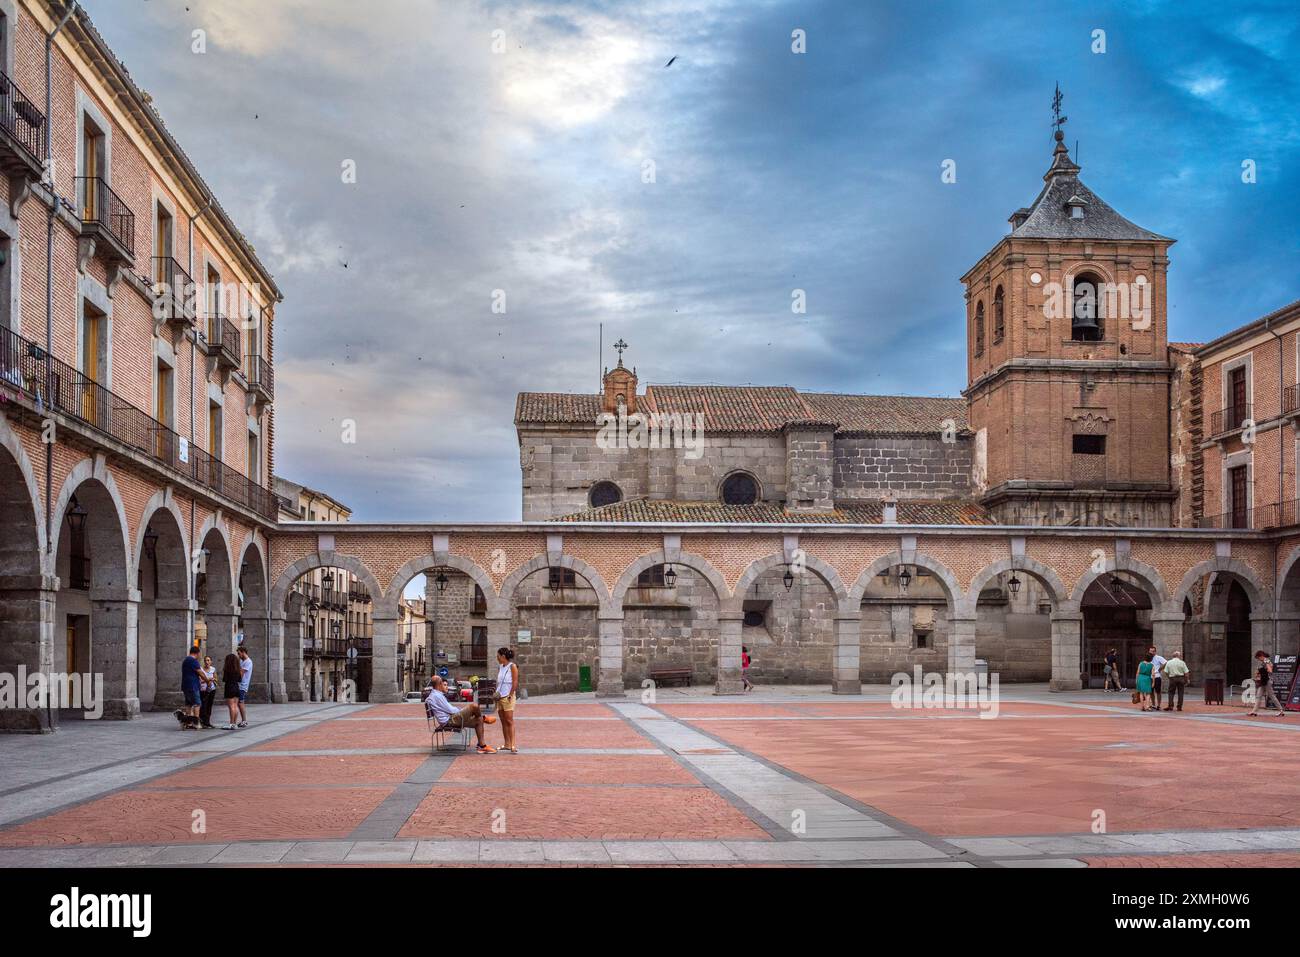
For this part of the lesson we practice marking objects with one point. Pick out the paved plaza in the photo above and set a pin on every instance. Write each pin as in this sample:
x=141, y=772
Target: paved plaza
x=788, y=776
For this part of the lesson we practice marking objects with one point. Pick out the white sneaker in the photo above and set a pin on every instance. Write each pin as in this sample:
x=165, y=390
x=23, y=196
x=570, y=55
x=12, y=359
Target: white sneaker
x=227, y=727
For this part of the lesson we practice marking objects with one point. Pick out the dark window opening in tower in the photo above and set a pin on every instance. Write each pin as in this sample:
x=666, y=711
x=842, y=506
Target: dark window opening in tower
x=1086, y=323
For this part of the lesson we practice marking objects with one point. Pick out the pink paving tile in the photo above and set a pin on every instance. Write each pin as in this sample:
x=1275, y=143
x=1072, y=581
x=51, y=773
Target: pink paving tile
x=524, y=768
x=167, y=817
x=260, y=772
x=580, y=813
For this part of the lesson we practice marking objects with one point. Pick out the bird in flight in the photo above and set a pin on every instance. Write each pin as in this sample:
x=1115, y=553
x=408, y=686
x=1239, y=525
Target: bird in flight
x=670, y=62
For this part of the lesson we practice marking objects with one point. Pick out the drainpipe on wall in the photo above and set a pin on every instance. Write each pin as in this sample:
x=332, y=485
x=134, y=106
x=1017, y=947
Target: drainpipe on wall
x=49, y=266
x=193, y=351
x=1281, y=478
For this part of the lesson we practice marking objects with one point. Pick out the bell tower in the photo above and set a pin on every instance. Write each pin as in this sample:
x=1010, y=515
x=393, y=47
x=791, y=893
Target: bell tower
x=1067, y=364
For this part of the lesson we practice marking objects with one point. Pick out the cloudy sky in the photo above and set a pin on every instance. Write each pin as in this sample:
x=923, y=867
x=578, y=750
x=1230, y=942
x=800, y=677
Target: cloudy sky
x=504, y=146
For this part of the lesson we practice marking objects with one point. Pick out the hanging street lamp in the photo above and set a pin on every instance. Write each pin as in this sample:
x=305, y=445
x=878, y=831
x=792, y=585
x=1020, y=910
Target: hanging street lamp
x=904, y=578
x=670, y=577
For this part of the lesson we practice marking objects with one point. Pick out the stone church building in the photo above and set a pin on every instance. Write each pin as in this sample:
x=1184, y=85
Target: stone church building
x=1077, y=412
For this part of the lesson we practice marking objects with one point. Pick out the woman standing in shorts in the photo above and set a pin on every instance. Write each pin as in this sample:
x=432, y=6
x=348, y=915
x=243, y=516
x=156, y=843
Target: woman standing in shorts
x=230, y=677
x=507, y=685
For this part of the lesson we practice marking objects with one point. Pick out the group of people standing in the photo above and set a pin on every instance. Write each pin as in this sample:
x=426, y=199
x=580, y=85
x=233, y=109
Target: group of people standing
x=199, y=683
x=1155, y=672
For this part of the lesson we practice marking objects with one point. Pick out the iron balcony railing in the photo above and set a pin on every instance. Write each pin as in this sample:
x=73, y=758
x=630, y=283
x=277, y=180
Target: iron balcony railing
x=222, y=336
x=174, y=289
x=1276, y=515
x=21, y=119
x=54, y=384
x=1290, y=399
x=1230, y=419
x=472, y=653
x=259, y=374
x=101, y=206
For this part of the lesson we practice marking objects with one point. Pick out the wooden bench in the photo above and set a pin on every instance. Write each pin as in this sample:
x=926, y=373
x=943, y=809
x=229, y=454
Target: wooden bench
x=664, y=673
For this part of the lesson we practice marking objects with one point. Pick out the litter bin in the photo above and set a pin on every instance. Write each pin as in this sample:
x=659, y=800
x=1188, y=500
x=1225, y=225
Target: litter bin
x=584, y=678
x=1214, y=691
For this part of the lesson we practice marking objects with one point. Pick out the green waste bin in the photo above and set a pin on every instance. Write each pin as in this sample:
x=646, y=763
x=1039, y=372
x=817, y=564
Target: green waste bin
x=584, y=678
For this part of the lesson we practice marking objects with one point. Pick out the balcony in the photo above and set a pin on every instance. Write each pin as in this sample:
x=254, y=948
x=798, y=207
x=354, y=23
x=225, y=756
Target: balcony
x=107, y=223
x=220, y=338
x=1229, y=420
x=52, y=384
x=473, y=653
x=1277, y=515
x=22, y=132
x=261, y=378
x=1291, y=400
x=173, y=292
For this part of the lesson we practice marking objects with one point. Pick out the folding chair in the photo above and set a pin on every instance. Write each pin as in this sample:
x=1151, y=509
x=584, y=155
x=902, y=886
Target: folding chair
x=441, y=731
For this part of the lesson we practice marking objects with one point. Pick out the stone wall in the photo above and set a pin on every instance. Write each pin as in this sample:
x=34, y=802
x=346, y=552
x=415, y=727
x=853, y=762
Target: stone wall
x=564, y=636
x=922, y=467
x=676, y=626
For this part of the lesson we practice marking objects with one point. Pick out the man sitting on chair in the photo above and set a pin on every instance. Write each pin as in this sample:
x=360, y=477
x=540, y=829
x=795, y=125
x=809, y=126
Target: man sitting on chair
x=443, y=712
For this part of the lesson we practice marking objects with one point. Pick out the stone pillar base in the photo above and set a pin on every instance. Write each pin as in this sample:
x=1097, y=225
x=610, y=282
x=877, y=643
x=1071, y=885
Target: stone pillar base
x=385, y=696
x=28, y=721
x=846, y=686
x=121, y=709
x=602, y=693
x=297, y=694
x=1065, y=684
x=729, y=685
x=279, y=693
x=259, y=692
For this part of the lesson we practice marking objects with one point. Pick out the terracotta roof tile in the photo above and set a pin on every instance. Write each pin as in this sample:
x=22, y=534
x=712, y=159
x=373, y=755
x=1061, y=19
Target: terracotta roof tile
x=743, y=409
x=947, y=512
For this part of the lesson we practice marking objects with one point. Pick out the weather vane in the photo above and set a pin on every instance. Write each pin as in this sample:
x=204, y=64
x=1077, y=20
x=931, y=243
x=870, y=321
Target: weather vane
x=1057, y=119
x=620, y=346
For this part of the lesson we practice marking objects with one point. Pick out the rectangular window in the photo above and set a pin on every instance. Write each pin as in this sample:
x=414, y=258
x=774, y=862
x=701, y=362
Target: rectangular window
x=562, y=578
x=162, y=242
x=214, y=429
x=1238, y=497
x=254, y=458
x=1238, y=410
x=1090, y=445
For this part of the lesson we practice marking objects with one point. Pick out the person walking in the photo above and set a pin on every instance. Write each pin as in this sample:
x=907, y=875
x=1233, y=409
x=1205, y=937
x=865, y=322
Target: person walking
x=209, y=692
x=230, y=678
x=1176, y=674
x=507, y=686
x=245, y=679
x=1264, y=686
x=1114, y=681
x=192, y=689
x=1144, y=684
x=1158, y=662
x=745, y=683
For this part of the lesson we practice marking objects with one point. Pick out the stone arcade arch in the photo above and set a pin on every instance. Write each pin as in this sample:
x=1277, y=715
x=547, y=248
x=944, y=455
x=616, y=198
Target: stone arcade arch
x=464, y=575
x=680, y=625
x=285, y=628
x=214, y=590
x=1060, y=636
x=96, y=626
x=1235, y=616
x=576, y=623
x=961, y=628
x=1166, y=615
x=267, y=683
x=843, y=630
x=166, y=617
x=27, y=591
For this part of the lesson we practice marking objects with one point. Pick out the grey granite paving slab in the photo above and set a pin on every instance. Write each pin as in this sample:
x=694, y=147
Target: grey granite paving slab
x=328, y=852
x=187, y=854
x=700, y=850
x=1049, y=862
x=511, y=852
x=634, y=852
x=446, y=852
x=581, y=851
x=393, y=852
x=267, y=853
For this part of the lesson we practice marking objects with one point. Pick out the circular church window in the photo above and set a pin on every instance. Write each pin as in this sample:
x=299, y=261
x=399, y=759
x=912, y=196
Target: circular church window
x=604, y=493
x=739, y=488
